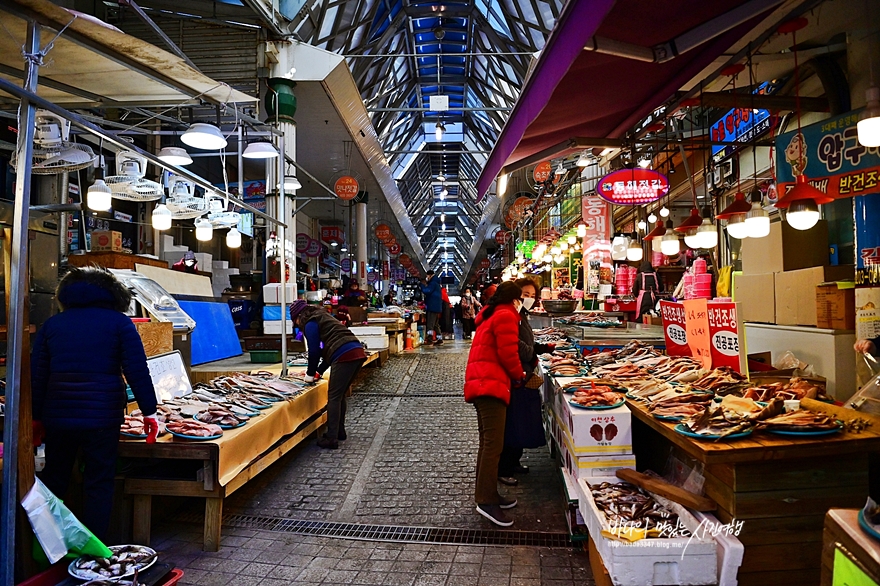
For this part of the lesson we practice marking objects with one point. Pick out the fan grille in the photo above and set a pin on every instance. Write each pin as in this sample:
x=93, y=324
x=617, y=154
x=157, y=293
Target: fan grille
x=185, y=208
x=133, y=188
x=67, y=158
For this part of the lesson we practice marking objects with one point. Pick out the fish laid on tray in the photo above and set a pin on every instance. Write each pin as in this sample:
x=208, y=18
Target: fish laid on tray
x=795, y=389
x=681, y=405
x=194, y=428
x=125, y=560
x=800, y=420
x=624, y=504
x=721, y=381
x=732, y=415
x=596, y=396
x=221, y=416
x=134, y=423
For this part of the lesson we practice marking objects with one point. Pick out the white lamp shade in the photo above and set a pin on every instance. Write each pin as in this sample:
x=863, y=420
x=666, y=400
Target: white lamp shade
x=563, y=246
x=736, y=227
x=869, y=120
x=652, y=218
x=707, y=235
x=618, y=247
x=555, y=250
x=692, y=239
x=634, y=252
x=669, y=244
x=259, y=150
x=99, y=197
x=583, y=160
x=233, y=238
x=642, y=225
x=655, y=245
x=802, y=214
x=548, y=258
x=759, y=226
x=664, y=212
x=291, y=184
x=582, y=230
x=204, y=136
x=204, y=230
x=161, y=217
x=174, y=156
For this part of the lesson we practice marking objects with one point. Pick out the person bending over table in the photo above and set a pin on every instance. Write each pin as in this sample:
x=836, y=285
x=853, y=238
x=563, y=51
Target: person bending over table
x=331, y=345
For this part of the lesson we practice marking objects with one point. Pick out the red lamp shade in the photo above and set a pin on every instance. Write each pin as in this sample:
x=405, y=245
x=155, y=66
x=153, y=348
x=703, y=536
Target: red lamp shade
x=657, y=232
x=692, y=222
x=738, y=206
x=802, y=190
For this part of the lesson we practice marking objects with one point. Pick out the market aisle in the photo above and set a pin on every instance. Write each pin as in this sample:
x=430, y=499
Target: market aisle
x=408, y=463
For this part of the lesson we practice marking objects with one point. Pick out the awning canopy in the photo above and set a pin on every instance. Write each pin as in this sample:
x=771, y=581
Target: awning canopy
x=95, y=64
x=575, y=92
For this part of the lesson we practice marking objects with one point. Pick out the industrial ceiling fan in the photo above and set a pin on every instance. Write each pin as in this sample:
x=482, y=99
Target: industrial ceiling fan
x=53, y=153
x=182, y=201
x=129, y=183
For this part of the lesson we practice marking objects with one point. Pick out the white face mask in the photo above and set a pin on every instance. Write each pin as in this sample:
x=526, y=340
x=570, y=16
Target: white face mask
x=517, y=304
x=528, y=302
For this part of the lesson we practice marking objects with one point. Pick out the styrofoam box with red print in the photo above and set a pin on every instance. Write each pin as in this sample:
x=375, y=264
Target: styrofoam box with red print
x=590, y=467
x=593, y=432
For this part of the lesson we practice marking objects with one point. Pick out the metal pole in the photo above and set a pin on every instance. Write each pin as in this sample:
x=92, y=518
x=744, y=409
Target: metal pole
x=282, y=236
x=17, y=297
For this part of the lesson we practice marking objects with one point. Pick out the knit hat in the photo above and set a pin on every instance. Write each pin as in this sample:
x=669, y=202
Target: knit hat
x=297, y=307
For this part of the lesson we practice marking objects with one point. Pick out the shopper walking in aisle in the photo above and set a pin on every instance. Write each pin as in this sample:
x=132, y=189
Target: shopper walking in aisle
x=524, y=427
x=331, y=345
x=646, y=287
x=470, y=305
x=78, y=360
x=446, y=327
x=493, y=367
x=433, y=308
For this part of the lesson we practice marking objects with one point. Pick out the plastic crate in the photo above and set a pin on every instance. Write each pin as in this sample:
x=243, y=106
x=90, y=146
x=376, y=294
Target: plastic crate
x=266, y=356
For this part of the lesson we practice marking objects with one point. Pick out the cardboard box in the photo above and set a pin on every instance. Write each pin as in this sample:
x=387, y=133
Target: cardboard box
x=796, y=293
x=272, y=328
x=106, y=241
x=836, y=305
x=594, y=466
x=272, y=293
x=785, y=249
x=588, y=432
x=756, y=297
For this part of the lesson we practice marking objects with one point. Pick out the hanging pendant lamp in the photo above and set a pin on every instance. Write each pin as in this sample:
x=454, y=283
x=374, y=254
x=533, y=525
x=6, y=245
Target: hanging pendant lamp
x=634, y=251
x=657, y=232
x=204, y=136
x=669, y=244
x=757, y=219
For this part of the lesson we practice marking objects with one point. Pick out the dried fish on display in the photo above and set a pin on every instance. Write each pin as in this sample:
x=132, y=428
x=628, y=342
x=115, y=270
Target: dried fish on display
x=626, y=505
x=680, y=405
x=800, y=420
x=124, y=561
x=795, y=389
x=134, y=423
x=733, y=415
x=194, y=428
x=596, y=396
x=721, y=381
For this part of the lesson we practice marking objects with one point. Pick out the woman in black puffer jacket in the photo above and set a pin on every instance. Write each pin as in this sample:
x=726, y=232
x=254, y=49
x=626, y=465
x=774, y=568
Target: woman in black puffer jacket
x=77, y=362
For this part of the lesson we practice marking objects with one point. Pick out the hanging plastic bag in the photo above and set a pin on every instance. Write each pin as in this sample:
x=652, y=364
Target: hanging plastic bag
x=55, y=527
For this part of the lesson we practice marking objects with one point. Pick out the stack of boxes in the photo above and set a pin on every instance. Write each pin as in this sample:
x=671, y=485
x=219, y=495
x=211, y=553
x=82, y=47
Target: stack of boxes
x=593, y=443
x=781, y=278
x=171, y=254
x=220, y=278
x=272, y=307
x=374, y=337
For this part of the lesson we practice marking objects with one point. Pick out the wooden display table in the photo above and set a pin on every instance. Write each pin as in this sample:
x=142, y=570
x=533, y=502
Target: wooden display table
x=113, y=260
x=842, y=532
x=227, y=463
x=779, y=487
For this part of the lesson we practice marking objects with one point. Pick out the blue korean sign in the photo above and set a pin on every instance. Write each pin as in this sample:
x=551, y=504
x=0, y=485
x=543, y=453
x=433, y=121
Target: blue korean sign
x=830, y=155
x=739, y=126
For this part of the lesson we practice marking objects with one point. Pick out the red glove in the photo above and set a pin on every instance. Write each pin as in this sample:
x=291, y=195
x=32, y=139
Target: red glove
x=552, y=347
x=39, y=432
x=151, y=426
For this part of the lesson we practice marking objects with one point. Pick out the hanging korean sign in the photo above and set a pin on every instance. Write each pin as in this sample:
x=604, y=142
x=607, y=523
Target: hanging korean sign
x=383, y=232
x=867, y=239
x=501, y=237
x=543, y=172
x=394, y=249
x=331, y=234
x=405, y=260
x=515, y=208
x=484, y=264
x=346, y=188
x=314, y=248
x=302, y=242
x=830, y=155
x=594, y=211
x=635, y=186
x=345, y=265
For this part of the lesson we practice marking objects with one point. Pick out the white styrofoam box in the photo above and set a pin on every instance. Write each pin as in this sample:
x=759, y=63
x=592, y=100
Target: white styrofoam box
x=272, y=293
x=220, y=264
x=367, y=331
x=205, y=260
x=167, y=241
x=318, y=295
x=375, y=342
x=662, y=561
x=593, y=432
x=729, y=550
x=588, y=467
x=274, y=327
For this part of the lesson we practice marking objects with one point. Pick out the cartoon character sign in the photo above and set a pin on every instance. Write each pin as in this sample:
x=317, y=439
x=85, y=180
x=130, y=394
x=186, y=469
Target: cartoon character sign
x=796, y=154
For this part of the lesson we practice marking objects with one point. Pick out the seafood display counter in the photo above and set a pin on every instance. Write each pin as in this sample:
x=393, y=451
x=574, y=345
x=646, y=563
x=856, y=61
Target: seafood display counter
x=226, y=463
x=779, y=488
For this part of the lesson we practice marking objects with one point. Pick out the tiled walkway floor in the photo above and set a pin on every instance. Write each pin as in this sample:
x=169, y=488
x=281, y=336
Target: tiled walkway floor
x=409, y=462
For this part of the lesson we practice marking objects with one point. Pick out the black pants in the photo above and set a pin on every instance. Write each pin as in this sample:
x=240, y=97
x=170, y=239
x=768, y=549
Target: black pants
x=341, y=376
x=467, y=325
x=99, y=449
x=509, y=461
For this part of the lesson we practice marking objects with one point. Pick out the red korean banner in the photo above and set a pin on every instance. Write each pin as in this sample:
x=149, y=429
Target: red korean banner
x=346, y=188
x=331, y=234
x=726, y=334
x=594, y=211
x=386, y=269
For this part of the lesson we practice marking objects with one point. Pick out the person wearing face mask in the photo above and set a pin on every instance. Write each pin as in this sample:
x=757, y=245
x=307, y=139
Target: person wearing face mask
x=493, y=365
x=524, y=427
x=354, y=297
x=469, y=308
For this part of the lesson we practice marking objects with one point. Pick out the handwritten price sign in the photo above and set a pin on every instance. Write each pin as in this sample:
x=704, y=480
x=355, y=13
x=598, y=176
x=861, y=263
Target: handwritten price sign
x=346, y=188
x=696, y=316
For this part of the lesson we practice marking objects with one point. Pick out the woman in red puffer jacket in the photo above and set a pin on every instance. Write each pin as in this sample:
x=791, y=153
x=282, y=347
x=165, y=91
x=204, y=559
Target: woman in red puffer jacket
x=493, y=365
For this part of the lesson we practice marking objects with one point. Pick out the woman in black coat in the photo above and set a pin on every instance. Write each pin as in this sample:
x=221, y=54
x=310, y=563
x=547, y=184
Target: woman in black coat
x=524, y=427
x=646, y=288
x=77, y=362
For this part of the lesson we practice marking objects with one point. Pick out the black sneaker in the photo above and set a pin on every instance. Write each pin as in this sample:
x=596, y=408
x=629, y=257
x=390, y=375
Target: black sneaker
x=495, y=514
x=507, y=503
x=520, y=469
x=438, y=342
x=328, y=444
x=342, y=435
x=508, y=480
